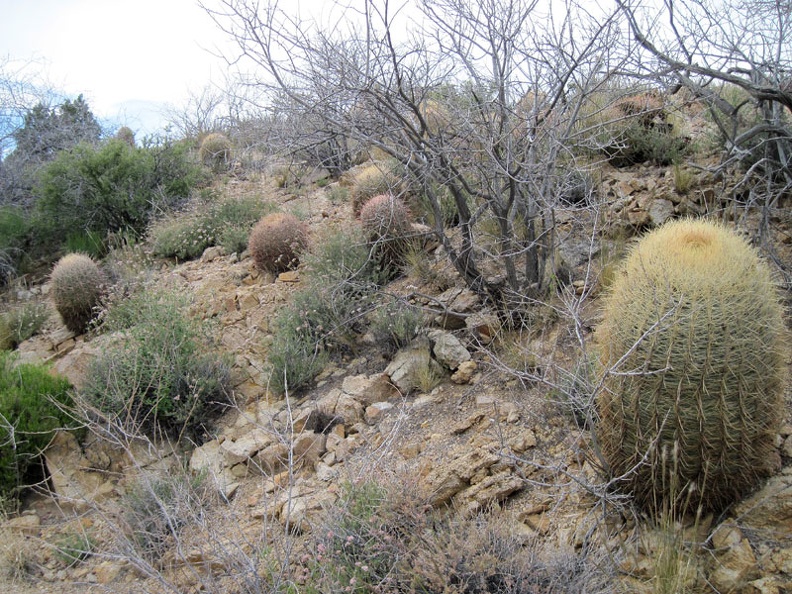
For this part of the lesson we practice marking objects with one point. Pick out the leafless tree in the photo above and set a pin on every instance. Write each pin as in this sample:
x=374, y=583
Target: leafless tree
x=737, y=56
x=479, y=101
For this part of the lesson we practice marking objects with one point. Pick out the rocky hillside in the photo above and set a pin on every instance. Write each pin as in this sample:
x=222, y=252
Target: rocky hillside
x=469, y=422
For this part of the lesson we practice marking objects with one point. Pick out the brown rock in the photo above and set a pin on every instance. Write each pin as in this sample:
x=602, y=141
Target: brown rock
x=465, y=373
x=290, y=276
x=376, y=411
x=271, y=459
x=308, y=447
x=369, y=389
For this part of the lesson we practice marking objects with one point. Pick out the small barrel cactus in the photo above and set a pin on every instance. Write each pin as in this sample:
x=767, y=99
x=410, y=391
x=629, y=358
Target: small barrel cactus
x=386, y=223
x=277, y=241
x=215, y=152
x=77, y=285
x=692, y=344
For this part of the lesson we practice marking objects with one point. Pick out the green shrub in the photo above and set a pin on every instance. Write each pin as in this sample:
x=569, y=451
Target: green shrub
x=14, y=231
x=109, y=189
x=86, y=242
x=20, y=323
x=277, y=241
x=692, y=345
x=341, y=281
x=160, y=378
x=77, y=285
x=215, y=152
x=396, y=324
x=73, y=547
x=33, y=405
x=182, y=237
x=294, y=357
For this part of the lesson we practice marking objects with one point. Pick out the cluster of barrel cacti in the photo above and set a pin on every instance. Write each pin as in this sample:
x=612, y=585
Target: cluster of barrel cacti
x=77, y=285
x=692, y=349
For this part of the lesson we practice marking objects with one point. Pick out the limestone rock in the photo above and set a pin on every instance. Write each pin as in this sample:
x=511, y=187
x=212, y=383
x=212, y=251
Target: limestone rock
x=448, y=349
x=660, y=210
x=308, y=447
x=409, y=363
x=448, y=480
x=465, y=373
x=244, y=448
x=375, y=412
x=735, y=563
x=212, y=253
x=342, y=405
x=369, y=389
x=483, y=325
x=70, y=477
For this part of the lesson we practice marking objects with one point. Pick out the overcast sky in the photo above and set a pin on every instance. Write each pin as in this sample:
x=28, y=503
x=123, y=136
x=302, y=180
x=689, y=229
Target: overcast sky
x=130, y=58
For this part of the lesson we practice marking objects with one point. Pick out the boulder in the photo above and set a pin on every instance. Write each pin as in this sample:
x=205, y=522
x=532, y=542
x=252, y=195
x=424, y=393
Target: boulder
x=448, y=349
x=410, y=363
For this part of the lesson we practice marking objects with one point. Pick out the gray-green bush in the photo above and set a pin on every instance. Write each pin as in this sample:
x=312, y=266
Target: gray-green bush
x=161, y=378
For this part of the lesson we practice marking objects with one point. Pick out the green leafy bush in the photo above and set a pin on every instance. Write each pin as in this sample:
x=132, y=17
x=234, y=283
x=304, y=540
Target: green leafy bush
x=14, y=227
x=73, y=547
x=20, y=323
x=395, y=324
x=31, y=401
x=341, y=280
x=160, y=378
x=112, y=188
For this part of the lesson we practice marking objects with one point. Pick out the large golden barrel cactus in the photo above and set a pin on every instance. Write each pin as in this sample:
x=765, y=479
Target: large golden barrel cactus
x=693, y=350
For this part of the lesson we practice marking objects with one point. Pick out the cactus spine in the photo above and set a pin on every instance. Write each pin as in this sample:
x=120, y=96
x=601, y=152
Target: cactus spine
x=692, y=344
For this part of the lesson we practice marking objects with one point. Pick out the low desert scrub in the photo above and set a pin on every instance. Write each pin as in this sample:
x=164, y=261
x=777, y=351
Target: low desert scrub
x=21, y=322
x=382, y=537
x=395, y=324
x=73, y=547
x=158, y=507
x=340, y=281
x=159, y=377
x=225, y=222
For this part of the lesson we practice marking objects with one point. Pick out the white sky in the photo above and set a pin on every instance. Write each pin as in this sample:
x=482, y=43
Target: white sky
x=129, y=58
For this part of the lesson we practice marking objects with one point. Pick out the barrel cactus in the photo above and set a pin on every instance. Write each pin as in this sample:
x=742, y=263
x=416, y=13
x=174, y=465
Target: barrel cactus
x=692, y=347
x=277, y=241
x=77, y=284
x=215, y=152
x=386, y=223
